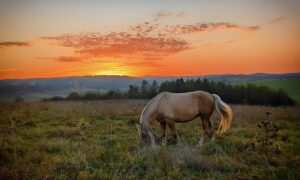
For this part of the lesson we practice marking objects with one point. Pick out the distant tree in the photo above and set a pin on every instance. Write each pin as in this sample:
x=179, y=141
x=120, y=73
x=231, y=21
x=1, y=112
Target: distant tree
x=113, y=95
x=56, y=98
x=19, y=99
x=153, y=89
x=73, y=96
x=237, y=94
x=92, y=96
x=133, y=92
x=144, y=88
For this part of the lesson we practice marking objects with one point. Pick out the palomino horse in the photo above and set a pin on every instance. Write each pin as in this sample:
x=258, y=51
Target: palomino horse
x=170, y=108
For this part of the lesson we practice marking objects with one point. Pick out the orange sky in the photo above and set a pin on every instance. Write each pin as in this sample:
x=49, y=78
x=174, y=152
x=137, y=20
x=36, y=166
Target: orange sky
x=142, y=38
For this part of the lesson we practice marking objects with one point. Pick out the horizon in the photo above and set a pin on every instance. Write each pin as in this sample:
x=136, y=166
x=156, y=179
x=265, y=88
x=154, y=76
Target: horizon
x=141, y=77
x=147, y=39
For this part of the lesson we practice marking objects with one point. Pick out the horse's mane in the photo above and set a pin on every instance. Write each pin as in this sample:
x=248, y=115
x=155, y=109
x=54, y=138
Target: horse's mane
x=146, y=108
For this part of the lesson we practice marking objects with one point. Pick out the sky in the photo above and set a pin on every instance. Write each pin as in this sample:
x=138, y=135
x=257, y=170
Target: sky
x=59, y=38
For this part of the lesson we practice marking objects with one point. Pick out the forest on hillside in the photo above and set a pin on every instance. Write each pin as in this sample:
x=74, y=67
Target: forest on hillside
x=234, y=94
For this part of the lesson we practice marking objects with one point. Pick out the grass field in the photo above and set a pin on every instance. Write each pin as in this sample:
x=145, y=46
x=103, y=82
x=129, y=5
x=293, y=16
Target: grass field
x=98, y=140
x=290, y=86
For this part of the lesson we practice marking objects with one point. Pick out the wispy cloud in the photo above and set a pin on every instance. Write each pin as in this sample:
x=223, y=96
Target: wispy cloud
x=163, y=14
x=277, y=20
x=147, y=28
x=121, y=44
x=144, y=43
x=7, y=69
x=209, y=27
x=181, y=14
x=148, y=63
x=14, y=44
x=229, y=41
x=63, y=59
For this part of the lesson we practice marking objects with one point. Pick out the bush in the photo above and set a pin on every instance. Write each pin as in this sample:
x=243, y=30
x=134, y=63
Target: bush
x=19, y=99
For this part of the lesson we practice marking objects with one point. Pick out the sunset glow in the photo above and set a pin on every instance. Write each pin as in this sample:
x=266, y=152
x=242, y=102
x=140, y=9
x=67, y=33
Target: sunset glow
x=40, y=39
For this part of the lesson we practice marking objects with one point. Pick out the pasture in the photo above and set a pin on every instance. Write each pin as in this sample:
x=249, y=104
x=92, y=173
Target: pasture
x=98, y=140
x=290, y=86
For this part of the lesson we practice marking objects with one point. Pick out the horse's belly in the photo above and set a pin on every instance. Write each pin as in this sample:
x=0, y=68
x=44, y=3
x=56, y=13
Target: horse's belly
x=180, y=116
x=186, y=118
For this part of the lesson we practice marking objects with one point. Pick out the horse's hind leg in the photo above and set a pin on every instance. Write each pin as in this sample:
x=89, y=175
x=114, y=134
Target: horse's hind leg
x=207, y=129
x=163, y=133
x=175, y=133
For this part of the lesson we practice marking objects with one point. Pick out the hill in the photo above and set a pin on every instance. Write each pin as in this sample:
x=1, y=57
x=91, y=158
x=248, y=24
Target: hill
x=290, y=86
x=38, y=88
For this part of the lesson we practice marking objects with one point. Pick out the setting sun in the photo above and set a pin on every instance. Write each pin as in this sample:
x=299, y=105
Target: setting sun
x=110, y=73
x=110, y=68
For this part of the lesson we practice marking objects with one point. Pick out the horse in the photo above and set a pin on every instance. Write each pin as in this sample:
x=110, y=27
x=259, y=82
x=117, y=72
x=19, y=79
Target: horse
x=170, y=108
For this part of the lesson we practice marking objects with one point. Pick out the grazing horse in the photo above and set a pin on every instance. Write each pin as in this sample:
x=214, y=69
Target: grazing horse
x=170, y=108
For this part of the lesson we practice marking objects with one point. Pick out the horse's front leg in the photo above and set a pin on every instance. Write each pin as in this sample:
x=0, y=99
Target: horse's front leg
x=152, y=140
x=163, y=133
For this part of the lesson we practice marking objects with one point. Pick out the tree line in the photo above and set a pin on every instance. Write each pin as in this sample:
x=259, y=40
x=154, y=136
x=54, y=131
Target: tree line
x=234, y=94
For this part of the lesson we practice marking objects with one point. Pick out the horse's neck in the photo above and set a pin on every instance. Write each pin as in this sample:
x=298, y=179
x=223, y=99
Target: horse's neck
x=145, y=117
x=147, y=112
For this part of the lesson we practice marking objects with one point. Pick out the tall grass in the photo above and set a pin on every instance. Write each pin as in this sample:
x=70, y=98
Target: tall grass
x=98, y=140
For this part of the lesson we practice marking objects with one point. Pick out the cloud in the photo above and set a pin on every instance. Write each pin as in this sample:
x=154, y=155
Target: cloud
x=8, y=69
x=63, y=59
x=181, y=14
x=14, y=44
x=209, y=27
x=148, y=41
x=163, y=14
x=147, y=28
x=148, y=63
x=229, y=41
x=150, y=28
x=277, y=20
x=121, y=44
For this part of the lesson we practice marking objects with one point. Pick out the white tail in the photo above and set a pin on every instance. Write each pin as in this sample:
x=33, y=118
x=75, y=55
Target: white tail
x=225, y=112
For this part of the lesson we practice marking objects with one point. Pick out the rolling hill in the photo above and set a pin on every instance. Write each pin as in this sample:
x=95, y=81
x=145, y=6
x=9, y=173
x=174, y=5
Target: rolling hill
x=290, y=86
x=38, y=88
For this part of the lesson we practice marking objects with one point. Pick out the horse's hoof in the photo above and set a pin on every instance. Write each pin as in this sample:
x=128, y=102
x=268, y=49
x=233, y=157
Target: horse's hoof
x=163, y=142
x=200, y=143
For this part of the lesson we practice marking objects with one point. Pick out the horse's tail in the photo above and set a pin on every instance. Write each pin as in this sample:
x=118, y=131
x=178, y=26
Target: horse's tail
x=225, y=112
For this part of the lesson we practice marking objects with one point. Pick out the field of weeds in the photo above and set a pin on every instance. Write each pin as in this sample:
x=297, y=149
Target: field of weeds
x=98, y=140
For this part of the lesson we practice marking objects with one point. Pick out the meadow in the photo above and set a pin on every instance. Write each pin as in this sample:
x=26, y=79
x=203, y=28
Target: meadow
x=290, y=86
x=99, y=140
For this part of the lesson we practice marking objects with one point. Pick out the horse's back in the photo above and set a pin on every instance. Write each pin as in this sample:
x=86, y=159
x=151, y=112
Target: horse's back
x=182, y=107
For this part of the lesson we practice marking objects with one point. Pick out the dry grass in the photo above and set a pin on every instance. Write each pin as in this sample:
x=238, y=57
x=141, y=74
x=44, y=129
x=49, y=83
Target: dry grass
x=98, y=140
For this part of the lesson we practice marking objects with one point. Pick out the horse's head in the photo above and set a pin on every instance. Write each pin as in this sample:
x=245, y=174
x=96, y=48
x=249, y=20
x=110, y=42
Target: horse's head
x=143, y=132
